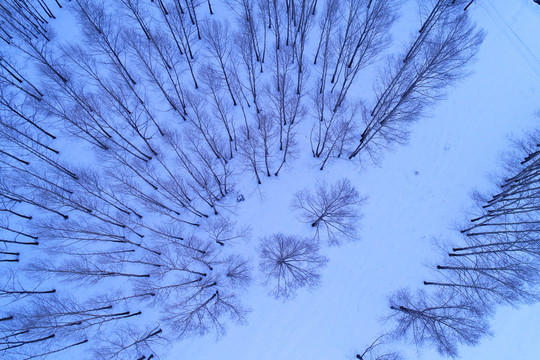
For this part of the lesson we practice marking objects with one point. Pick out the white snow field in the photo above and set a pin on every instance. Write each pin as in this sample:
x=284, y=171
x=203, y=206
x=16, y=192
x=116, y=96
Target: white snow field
x=453, y=151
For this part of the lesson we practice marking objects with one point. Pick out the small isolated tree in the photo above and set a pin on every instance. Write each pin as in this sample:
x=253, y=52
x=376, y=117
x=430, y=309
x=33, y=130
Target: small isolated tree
x=289, y=263
x=334, y=208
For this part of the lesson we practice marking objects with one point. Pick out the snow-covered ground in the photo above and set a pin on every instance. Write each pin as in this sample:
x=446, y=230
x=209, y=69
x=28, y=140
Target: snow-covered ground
x=419, y=193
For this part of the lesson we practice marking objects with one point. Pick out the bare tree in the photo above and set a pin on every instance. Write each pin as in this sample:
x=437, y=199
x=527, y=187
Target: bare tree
x=266, y=135
x=224, y=230
x=204, y=311
x=7, y=193
x=82, y=270
x=51, y=324
x=289, y=263
x=248, y=43
x=206, y=129
x=196, y=286
x=489, y=278
x=247, y=18
x=17, y=112
x=285, y=100
x=12, y=290
x=250, y=151
x=220, y=50
x=130, y=342
x=365, y=35
x=377, y=350
x=209, y=174
x=333, y=208
x=418, y=82
x=220, y=108
x=11, y=76
x=332, y=135
x=443, y=319
x=102, y=32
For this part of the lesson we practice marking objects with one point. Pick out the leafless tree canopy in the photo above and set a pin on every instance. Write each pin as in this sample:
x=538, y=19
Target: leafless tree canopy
x=288, y=263
x=434, y=60
x=333, y=210
x=443, y=319
x=378, y=350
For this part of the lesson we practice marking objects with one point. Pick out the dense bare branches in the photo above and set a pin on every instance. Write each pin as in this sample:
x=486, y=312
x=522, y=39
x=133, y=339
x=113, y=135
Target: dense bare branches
x=51, y=324
x=499, y=261
x=223, y=230
x=24, y=20
x=220, y=50
x=443, y=319
x=409, y=86
x=289, y=263
x=377, y=350
x=333, y=210
x=130, y=342
x=362, y=38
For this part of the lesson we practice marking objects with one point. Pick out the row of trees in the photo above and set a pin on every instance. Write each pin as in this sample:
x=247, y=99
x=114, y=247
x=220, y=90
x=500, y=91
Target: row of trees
x=497, y=263
x=407, y=85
